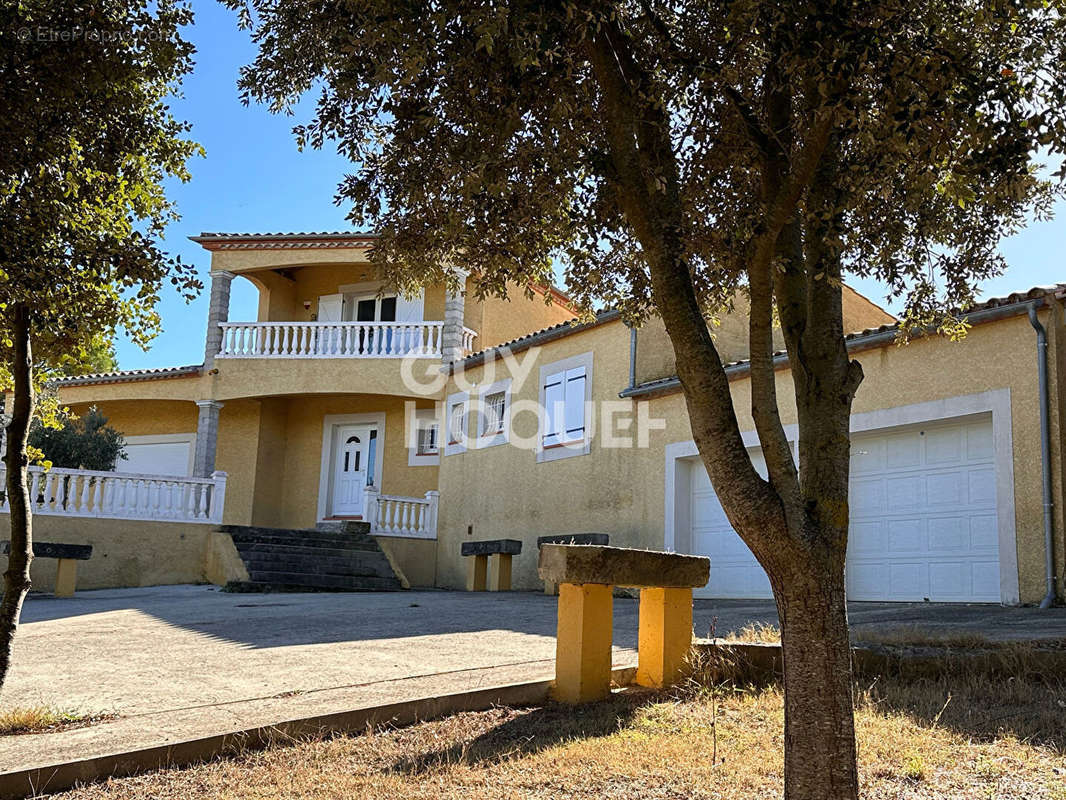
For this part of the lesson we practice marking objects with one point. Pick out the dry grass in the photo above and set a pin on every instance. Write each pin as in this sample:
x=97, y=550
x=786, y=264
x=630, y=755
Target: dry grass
x=755, y=633
x=975, y=738
x=921, y=636
x=42, y=719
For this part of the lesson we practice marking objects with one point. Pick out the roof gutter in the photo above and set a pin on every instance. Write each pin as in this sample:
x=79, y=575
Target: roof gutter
x=1045, y=452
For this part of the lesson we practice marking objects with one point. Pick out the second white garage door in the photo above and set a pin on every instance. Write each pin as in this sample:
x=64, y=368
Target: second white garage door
x=923, y=520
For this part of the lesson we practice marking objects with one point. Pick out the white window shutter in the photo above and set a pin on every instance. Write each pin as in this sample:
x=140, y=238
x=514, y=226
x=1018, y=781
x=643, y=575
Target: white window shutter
x=330, y=307
x=554, y=408
x=574, y=420
x=410, y=310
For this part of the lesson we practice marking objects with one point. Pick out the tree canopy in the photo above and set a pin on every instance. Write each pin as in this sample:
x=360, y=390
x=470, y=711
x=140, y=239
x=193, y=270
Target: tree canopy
x=86, y=141
x=479, y=133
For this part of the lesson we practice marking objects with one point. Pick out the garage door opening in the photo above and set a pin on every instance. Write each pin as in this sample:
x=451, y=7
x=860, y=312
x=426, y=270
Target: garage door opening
x=923, y=518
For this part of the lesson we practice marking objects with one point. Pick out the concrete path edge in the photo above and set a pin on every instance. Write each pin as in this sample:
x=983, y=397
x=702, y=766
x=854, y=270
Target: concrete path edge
x=35, y=781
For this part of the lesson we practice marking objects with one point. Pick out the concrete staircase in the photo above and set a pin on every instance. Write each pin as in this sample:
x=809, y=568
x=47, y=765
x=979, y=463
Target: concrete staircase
x=342, y=557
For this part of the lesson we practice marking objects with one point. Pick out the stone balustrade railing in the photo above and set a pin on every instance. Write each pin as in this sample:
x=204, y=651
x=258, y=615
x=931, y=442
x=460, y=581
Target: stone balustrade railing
x=391, y=515
x=335, y=339
x=123, y=495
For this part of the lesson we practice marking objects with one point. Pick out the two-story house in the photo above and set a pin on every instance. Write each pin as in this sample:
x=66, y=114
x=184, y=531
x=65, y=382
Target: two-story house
x=441, y=419
x=320, y=410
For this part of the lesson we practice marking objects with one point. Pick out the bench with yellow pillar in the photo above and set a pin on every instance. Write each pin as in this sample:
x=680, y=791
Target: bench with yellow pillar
x=67, y=557
x=586, y=576
x=494, y=576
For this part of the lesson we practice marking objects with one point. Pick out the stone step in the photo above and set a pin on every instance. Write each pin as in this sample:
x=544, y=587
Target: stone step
x=378, y=567
x=297, y=581
x=331, y=535
x=299, y=549
x=306, y=540
x=344, y=526
x=344, y=558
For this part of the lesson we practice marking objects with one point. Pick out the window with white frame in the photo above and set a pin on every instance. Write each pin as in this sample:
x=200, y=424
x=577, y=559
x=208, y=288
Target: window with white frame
x=424, y=438
x=565, y=395
x=493, y=412
x=456, y=411
x=427, y=440
x=456, y=422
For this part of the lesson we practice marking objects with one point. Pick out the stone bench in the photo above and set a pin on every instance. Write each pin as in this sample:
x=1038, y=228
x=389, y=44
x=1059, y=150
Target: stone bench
x=67, y=555
x=501, y=551
x=587, y=576
x=569, y=538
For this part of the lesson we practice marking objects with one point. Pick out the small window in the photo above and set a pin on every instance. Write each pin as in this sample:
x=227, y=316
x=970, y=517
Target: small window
x=457, y=423
x=492, y=413
x=427, y=441
x=564, y=407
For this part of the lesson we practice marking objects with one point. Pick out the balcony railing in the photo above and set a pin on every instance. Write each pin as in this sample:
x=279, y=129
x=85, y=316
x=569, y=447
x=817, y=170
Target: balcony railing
x=335, y=339
x=123, y=495
x=412, y=517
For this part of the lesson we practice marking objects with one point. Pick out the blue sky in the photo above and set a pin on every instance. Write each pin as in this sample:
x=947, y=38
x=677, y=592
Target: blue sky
x=254, y=179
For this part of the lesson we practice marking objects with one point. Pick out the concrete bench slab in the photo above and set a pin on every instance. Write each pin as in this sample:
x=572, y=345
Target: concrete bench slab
x=570, y=538
x=67, y=557
x=78, y=552
x=622, y=566
x=491, y=547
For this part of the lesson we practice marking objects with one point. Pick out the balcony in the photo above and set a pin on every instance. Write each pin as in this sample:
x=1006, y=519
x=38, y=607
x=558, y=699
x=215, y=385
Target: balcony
x=336, y=340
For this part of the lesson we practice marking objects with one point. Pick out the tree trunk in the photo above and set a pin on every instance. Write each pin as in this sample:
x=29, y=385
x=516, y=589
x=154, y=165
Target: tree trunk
x=17, y=577
x=819, y=715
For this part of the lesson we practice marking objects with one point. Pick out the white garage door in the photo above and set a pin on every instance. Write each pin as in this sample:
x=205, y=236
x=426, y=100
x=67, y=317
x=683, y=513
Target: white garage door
x=923, y=520
x=734, y=570
x=157, y=458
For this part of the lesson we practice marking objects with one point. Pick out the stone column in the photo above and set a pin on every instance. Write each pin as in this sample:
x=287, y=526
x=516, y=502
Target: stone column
x=217, y=312
x=203, y=462
x=452, y=334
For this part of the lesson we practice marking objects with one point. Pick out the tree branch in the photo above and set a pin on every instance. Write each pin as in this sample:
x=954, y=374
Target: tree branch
x=647, y=191
x=752, y=126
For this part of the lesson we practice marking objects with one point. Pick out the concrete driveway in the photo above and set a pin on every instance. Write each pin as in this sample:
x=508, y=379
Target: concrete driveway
x=179, y=661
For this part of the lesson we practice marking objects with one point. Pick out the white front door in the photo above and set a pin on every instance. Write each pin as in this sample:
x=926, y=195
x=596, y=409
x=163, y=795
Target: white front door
x=351, y=462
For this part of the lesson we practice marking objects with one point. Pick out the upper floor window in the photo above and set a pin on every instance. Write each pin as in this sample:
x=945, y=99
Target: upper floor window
x=427, y=441
x=493, y=413
x=455, y=423
x=565, y=397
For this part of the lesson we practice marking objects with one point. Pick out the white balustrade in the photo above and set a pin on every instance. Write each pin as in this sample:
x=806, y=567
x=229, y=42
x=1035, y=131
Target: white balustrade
x=123, y=495
x=391, y=515
x=468, y=340
x=331, y=339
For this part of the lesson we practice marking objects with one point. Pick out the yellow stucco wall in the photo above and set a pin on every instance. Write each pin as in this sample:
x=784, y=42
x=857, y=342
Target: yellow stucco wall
x=504, y=320
x=503, y=492
x=187, y=389
x=655, y=353
x=145, y=417
x=125, y=552
x=302, y=467
x=258, y=377
x=415, y=558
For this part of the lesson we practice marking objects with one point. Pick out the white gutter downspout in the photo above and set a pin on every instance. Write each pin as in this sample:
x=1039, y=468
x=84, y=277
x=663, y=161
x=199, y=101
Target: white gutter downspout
x=1045, y=454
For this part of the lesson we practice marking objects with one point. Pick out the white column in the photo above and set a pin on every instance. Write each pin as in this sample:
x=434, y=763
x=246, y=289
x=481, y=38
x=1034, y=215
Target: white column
x=452, y=333
x=217, y=312
x=203, y=462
